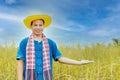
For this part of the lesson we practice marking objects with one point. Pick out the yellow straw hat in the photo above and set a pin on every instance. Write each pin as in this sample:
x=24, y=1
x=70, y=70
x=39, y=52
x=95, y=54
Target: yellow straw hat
x=27, y=21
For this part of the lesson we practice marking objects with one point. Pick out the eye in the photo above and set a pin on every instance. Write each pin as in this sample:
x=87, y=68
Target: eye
x=40, y=24
x=35, y=24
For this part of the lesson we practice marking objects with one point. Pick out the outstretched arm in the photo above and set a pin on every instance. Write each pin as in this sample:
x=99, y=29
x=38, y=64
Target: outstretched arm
x=73, y=62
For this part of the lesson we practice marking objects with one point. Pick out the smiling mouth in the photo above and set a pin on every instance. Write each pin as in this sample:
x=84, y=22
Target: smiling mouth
x=38, y=30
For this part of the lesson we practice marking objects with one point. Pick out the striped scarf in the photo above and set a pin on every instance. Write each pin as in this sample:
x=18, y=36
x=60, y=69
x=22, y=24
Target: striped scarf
x=30, y=73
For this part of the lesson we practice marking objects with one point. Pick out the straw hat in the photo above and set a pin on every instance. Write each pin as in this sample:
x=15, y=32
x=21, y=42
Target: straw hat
x=27, y=21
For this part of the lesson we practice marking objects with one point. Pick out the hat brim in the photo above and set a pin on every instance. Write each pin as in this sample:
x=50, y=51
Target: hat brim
x=47, y=19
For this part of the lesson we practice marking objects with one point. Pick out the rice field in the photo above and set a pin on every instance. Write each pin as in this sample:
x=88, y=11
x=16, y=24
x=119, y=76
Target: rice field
x=106, y=66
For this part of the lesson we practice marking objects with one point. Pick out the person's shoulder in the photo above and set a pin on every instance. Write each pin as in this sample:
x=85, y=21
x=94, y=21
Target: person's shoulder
x=24, y=40
x=51, y=42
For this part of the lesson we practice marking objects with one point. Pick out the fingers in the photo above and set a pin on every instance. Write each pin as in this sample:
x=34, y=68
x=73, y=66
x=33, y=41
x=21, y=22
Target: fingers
x=87, y=61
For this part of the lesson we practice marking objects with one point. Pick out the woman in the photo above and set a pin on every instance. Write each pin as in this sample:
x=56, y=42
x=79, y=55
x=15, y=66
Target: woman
x=35, y=52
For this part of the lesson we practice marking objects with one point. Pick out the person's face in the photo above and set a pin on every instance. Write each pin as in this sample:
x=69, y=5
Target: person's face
x=37, y=27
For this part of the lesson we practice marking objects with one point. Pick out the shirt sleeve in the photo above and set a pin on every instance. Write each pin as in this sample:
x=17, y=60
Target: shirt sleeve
x=56, y=52
x=21, y=51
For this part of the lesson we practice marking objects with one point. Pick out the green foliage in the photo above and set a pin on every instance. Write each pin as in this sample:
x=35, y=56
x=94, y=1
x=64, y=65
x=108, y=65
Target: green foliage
x=116, y=41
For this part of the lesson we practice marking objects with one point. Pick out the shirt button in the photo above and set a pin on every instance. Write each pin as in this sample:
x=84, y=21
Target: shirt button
x=39, y=64
x=39, y=72
x=39, y=56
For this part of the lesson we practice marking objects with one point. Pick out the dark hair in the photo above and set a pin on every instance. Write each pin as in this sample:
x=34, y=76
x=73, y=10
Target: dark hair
x=38, y=19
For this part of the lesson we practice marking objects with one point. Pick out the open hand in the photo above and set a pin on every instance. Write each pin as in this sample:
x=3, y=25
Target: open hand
x=86, y=61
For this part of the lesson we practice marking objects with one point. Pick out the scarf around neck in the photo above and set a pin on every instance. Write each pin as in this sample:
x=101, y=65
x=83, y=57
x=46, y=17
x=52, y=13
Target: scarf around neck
x=30, y=73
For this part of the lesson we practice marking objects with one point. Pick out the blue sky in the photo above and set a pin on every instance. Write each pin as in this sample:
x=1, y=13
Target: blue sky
x=85, y=21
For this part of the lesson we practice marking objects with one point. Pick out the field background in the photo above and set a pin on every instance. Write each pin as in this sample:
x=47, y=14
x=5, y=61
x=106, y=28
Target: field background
x=106, y=66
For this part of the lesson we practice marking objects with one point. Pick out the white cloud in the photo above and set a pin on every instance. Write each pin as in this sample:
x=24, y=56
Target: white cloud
x=103, y=32
x=66, y=3
x=71, y=26
x=61, y=22
x=11, y=17
x=108, y=26
x=1, y=30
x=114, y=9
x=10, y=1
